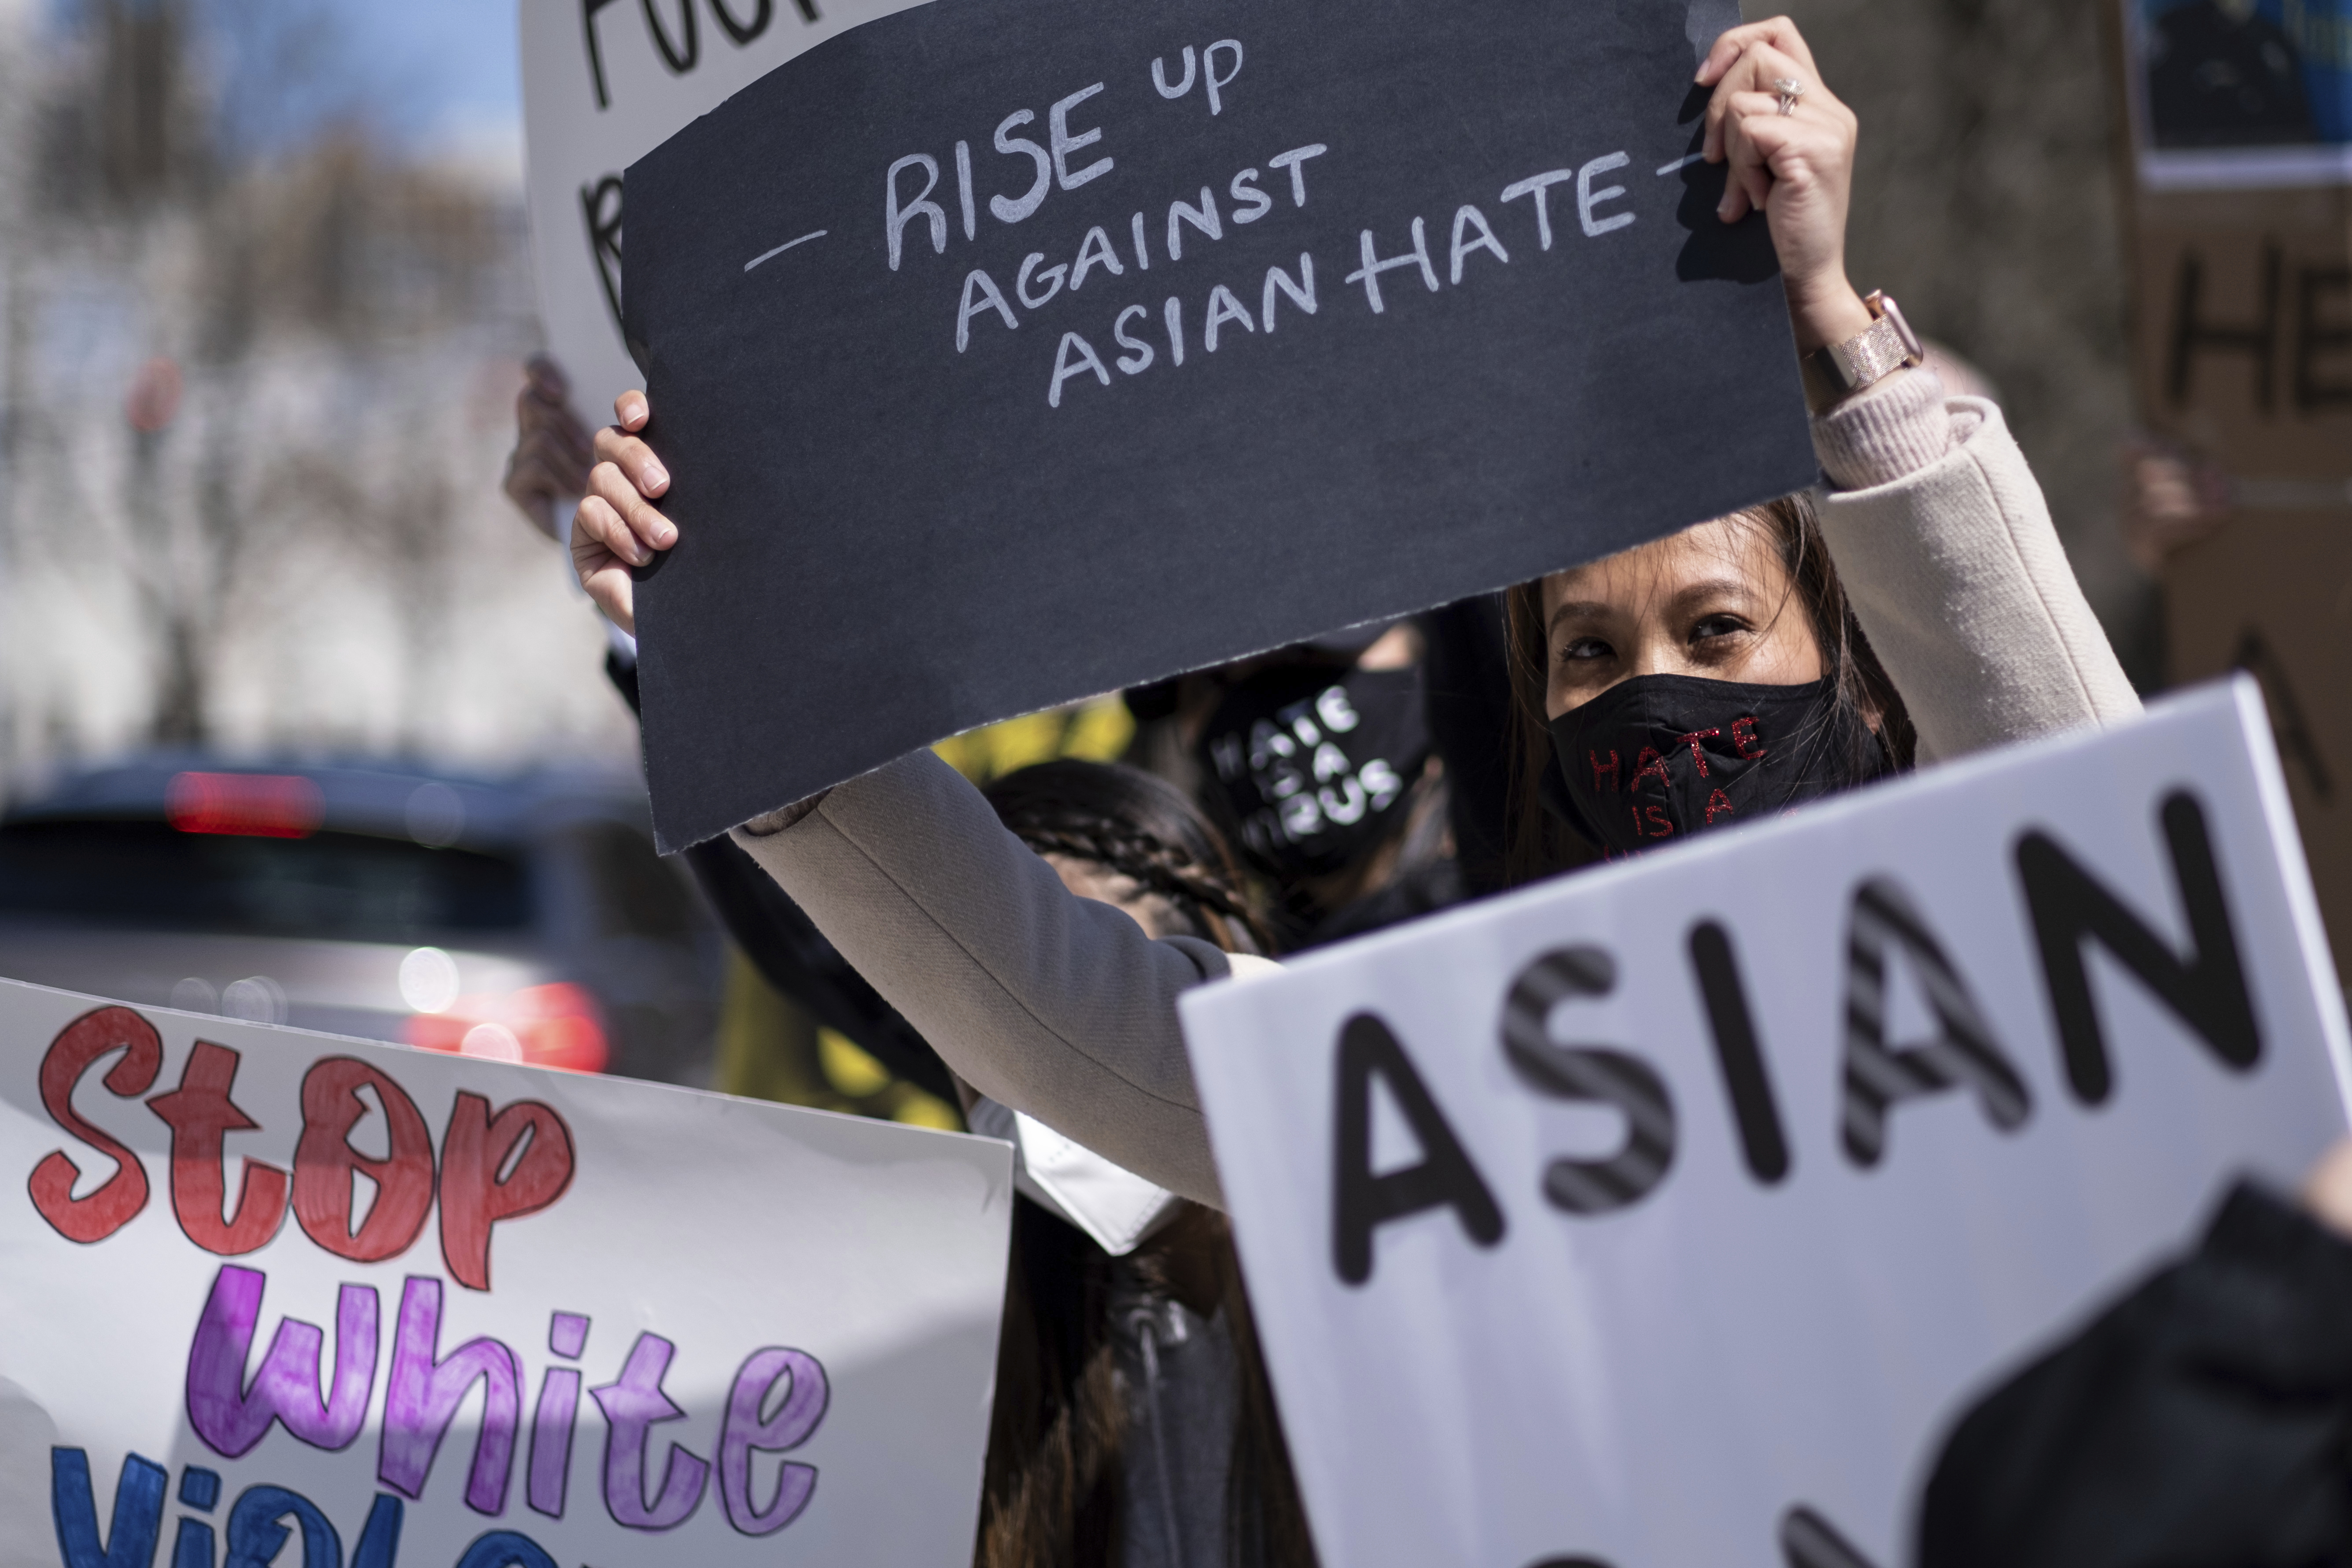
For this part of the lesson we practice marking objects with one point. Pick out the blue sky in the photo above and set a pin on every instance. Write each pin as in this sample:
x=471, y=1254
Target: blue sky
x=456, y=59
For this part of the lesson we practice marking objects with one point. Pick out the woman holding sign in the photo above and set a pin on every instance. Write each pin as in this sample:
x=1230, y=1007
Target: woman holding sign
x=1921, y=607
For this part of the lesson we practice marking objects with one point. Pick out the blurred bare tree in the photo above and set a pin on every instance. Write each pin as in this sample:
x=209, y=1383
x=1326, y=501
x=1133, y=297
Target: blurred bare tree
x=238, y=313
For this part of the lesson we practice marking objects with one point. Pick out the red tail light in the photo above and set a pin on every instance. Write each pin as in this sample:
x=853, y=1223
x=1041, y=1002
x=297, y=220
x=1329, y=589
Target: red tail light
x=557, y=1026
x=255, y=805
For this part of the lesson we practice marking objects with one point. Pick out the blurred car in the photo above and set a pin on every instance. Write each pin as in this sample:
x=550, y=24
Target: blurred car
x=528, y=920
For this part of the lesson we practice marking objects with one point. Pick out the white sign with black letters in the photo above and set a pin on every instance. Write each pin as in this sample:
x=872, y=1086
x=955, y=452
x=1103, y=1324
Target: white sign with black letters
x=604, y=83
x=1670, y=1213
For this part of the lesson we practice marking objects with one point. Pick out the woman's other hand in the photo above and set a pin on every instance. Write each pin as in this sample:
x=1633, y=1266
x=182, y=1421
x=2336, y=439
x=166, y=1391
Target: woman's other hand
x=615, y=528
x=1796, y=169
x=548, y=465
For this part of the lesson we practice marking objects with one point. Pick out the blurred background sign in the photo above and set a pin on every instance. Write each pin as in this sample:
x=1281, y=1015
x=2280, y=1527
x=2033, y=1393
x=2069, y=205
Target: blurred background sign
x=2237, y=154
x=606, y=82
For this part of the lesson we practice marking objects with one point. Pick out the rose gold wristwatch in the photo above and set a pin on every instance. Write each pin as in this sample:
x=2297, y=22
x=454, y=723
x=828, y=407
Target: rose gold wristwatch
x=1840, y=370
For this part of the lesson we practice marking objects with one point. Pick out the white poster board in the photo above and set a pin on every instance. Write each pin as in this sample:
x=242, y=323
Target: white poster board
x=604, y=83
x=1642, y=1338
x=396, y=1303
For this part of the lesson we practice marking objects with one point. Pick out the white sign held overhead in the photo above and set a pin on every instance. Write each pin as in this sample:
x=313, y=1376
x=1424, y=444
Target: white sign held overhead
x=1670, y=1213
x=441, y=1312
x=604, y=83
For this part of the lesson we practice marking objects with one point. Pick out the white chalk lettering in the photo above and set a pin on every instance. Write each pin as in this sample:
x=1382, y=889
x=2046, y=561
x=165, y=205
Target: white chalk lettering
x=1057, y=123
x=1302, y=293
x=1159, y=79
x=1250, y=203
x=1209, y=76
x=1368, y=275
x=1142, y=251
x=963, y=189
x=979, y=293
x=1013, y=212
x=1296, y=162
x=1204, y=218
x=1174, y=316
x=1021, y=280
x=779, y=250
x=894, y=217
x=1587, y=198
x=1223, y=307
x=1138, y=361
x=1094, y=250
x=1064, y=367
x=1463, y=217
x=1536, y=187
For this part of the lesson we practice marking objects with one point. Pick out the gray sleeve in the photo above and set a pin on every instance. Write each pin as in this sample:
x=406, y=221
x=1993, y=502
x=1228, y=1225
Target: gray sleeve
x=1045, y=1002
x=1944, y=543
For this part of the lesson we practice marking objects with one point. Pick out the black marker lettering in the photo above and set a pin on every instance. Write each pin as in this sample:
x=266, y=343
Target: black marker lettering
x=1361, y=1201
x=1602, y=1075
x=1963, y=1055
x=741, y=33
x=2207, y=990
x=1754, y=1112
x=679, y=60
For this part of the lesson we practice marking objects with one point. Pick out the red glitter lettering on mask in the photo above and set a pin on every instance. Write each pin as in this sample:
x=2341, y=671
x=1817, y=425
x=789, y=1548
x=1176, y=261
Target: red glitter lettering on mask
x=1698, y=757
x=1594, y=758
x=1743, y=736
x=1649, y=762
x=1717, y=801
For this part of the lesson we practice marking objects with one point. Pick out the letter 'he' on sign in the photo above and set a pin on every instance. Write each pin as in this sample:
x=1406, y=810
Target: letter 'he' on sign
x=1072, y=377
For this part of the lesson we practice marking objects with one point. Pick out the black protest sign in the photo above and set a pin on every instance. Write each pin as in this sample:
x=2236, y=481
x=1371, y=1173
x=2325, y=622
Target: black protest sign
x=1012, y=350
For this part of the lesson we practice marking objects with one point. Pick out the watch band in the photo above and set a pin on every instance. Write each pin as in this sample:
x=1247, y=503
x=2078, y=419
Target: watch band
x=1840, y=370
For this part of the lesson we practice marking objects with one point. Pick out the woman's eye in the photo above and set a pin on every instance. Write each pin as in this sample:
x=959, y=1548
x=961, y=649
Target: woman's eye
x=1582, y=649
x=1709, y=627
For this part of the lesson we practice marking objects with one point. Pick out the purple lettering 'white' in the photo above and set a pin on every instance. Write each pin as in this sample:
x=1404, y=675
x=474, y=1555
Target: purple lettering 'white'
x=231, y=1417
x=423, y=1391
x=632, y=1403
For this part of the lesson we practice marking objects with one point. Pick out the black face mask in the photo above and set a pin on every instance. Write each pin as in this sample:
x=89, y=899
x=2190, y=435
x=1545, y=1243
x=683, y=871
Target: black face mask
x=1317, y=763
x=1659, y=756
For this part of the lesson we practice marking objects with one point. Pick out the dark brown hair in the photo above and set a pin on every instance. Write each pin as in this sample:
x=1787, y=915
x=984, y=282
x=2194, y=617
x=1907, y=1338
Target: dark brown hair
x=1052, y=1494
x=1871, y=710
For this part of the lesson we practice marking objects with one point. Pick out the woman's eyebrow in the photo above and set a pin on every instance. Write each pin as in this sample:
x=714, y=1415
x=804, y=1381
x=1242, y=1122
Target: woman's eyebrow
x=1732, y=587
x=1569, y=607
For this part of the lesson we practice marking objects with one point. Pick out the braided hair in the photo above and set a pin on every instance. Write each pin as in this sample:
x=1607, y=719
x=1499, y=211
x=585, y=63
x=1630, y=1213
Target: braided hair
x=1141, y=826
x=1053, y=1488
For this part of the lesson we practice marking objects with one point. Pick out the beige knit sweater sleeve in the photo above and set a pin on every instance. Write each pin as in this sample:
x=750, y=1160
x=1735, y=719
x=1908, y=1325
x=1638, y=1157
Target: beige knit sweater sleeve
x=1947, y=550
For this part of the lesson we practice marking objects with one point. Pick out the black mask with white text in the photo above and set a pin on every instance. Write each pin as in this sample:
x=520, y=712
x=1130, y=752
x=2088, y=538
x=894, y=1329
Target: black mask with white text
x=1659, y=757
x=1317, y=763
